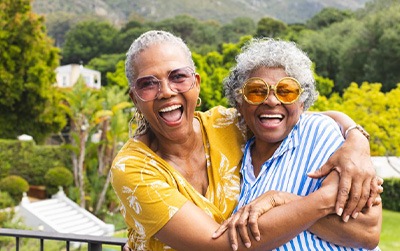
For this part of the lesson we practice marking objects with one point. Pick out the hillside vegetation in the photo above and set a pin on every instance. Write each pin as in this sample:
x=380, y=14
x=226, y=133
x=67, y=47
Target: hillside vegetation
x=223, y=11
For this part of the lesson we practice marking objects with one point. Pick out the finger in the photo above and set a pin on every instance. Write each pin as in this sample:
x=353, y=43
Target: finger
x=359, y=199
x=377, y=201
x=343, y=193
x=323, y=171
x=232, y=235
x=255, y=213
x=220, y=230
x=242, y=228
x=126, y=247
x=374, y=191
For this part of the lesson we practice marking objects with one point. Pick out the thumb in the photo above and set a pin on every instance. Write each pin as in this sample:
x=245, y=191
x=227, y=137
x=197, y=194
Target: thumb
x=322, y=171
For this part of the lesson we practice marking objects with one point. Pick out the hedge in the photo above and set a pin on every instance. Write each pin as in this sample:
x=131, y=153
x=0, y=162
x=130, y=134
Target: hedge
x=391, y=194
x=31, y=161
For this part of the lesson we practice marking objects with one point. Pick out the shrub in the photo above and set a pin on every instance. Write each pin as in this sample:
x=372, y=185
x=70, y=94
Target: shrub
x=391, y=194
x=15, y=186
x=56, y=177
x=6, y=200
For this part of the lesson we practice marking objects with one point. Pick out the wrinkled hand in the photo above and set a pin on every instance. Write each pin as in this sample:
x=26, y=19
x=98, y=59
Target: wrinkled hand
x=247, y=217
x=358, y=185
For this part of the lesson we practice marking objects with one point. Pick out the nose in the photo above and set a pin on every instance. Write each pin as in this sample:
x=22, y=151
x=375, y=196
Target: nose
x=271, y=99
x=165, y=90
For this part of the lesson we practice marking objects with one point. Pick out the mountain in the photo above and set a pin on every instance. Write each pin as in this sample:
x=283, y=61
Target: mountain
x=223, y=11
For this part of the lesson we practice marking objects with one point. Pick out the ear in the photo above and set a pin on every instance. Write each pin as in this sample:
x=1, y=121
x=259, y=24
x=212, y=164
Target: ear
x=198, y=81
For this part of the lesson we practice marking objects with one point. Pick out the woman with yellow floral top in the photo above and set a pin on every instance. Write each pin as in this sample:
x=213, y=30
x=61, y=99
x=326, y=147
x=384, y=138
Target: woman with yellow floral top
x=178, y=177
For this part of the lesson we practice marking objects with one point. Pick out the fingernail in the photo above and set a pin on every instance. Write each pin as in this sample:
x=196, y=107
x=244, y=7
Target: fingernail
x=340, y=211
x=346, y=219
x=354, y=215
x=248, y=245
x=258, y=238
x=234, y=247
x=213, y=235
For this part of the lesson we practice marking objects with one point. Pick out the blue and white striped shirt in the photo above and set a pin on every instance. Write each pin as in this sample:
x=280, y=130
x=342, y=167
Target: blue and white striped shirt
x=307, y=147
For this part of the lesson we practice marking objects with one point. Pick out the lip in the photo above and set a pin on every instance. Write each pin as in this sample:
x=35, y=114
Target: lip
x=169, y=108
x=270, y=120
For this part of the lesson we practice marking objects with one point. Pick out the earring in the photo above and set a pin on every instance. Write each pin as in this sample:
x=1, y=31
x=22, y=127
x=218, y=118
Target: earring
x=141, y=124
x=198, y=102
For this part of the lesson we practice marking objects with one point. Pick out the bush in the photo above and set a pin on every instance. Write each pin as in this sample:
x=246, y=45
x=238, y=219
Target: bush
x=31, y=161
x=56, y=177
x=15, y=186
x=391, y=194
x=6, y=200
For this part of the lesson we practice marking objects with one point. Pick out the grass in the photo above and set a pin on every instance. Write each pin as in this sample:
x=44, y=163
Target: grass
x=390, y=233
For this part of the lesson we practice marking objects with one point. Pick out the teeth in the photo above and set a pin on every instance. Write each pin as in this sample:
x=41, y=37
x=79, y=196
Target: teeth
x=271, y=116
x=170, y=108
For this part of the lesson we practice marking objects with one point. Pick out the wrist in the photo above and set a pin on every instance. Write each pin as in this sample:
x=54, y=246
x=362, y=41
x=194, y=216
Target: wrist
x=356, y=128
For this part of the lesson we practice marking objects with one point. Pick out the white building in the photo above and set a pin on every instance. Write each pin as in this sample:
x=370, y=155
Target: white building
x=67, y=76
x=387, y=167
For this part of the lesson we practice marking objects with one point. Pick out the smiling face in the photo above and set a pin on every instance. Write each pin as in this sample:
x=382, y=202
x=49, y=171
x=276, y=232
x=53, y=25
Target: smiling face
x=270, y=121
x=171, y=114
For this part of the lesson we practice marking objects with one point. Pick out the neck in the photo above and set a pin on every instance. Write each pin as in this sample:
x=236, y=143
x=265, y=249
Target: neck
x=260, y=153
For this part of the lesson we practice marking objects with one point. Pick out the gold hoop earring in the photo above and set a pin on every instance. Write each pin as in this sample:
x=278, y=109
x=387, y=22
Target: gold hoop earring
x=141, y=124
x=198, y=102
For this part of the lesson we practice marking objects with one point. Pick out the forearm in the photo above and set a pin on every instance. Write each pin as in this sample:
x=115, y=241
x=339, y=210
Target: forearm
x=363, y=232
x=283, y=223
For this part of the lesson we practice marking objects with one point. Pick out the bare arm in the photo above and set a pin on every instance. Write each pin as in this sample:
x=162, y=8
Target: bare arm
x=363, y=232
x=353, y=163
x=350, y=234
x=277, y=226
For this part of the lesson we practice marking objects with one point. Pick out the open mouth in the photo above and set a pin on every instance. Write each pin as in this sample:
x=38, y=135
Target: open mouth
x=271, y=118
x=171, y=113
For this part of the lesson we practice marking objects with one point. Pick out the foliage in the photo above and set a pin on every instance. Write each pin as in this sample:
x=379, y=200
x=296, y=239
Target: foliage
x=27, y=63
x=363, y=48
x=391, y=195
x=270, y=27
x=87, y=40
x=376, y=111
x=56, y=177
x=5, y=201
x=326, y=17
x=118, y=77
x=105, y=63
x=29, y=160
x=14, y=185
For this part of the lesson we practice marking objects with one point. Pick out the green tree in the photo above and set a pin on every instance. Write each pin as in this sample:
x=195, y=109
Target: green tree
x=105, y=63
x=81, y=103
x=238, y=27
x=27, y=63
x=112, y=126
x=270, y=27
x=87, y=40
x=326, y=17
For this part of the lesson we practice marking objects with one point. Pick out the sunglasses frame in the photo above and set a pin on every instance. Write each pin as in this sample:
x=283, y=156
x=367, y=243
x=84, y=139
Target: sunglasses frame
x=273, y=87
x=168, y=83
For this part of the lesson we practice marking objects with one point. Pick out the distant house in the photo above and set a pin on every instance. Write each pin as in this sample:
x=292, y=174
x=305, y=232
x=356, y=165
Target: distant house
x=67, y=76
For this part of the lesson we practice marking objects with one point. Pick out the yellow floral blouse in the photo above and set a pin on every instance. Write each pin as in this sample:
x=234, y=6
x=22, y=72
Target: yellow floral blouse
x=151, y=191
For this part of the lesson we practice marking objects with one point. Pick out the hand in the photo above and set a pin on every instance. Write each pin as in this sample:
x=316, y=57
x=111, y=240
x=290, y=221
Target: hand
x=358, y=184
x=247, y=217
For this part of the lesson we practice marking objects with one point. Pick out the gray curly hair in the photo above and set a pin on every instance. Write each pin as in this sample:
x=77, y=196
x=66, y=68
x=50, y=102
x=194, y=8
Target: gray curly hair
x=268, y=52
x=146, y=40
x=140, y=44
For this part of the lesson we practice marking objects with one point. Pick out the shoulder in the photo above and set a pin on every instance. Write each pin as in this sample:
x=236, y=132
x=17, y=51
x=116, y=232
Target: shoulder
x=318, y=120
x=217, y=113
